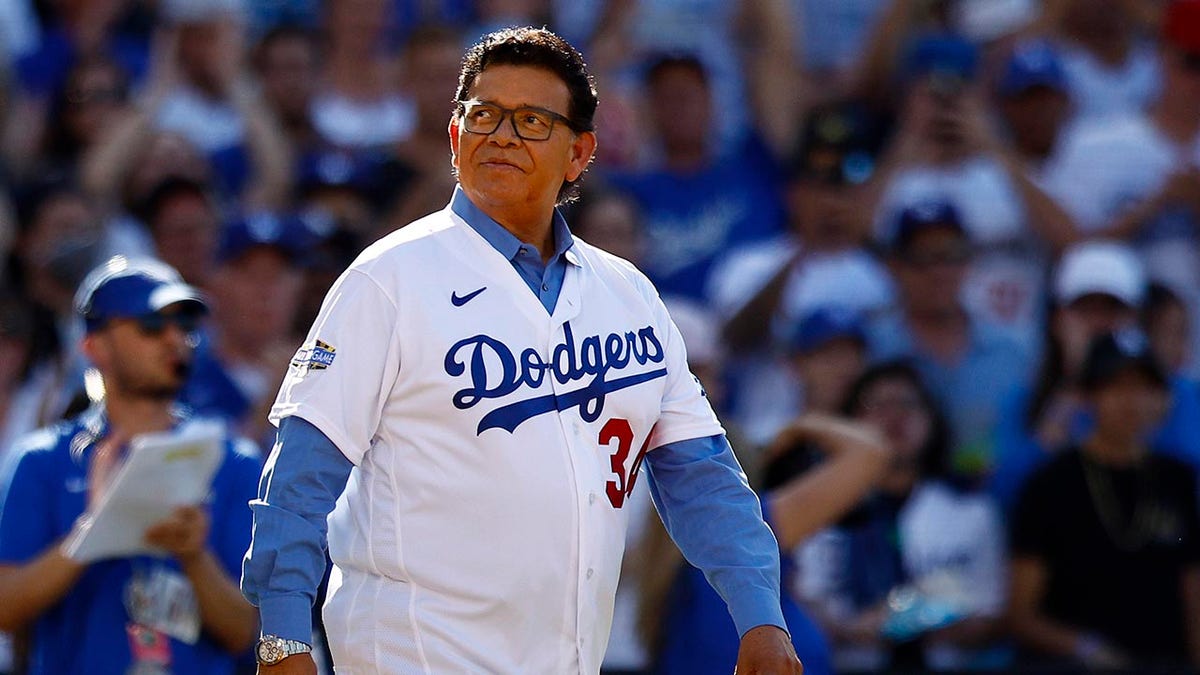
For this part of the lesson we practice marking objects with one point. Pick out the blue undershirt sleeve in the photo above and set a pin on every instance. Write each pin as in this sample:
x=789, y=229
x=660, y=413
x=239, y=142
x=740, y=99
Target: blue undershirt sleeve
x=715, y=518
x=301, y=481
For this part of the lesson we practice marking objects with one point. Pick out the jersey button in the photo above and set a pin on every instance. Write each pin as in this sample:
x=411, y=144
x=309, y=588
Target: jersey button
x=590, y=572
x=545, y=287
x=592, y=498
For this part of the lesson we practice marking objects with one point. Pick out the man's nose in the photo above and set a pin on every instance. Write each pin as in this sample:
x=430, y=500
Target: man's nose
x=506, y=132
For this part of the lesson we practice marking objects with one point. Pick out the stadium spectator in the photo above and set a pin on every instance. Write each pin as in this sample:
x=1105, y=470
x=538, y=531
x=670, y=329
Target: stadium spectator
x=695, y=203
x=913, y=579
x=256, y=289
x=945, y=149
x=1105, y=538
x=680, y=613
x=180, y=612
x=1111, y=67
x=185, y=224
x=1165, y=322
x=929, y=252
x=93, y=99
x=1137, y=176
x=821, y=260
x=358, y=105
x=1098, y=287
x=287, y=62
x=429, y=67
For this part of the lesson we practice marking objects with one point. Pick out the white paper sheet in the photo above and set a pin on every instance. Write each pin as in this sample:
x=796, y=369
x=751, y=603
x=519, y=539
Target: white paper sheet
x=162, y=471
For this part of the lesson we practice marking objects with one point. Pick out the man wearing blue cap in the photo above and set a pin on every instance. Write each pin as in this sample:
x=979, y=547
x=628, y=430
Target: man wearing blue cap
x=968, y=362
x=179, y=613
x=1034, y=101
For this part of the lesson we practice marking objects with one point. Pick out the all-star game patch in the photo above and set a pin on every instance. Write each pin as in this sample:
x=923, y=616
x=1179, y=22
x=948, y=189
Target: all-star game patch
x=319, y=356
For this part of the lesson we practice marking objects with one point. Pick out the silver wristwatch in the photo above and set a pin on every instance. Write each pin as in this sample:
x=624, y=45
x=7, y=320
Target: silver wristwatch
x=272, y=649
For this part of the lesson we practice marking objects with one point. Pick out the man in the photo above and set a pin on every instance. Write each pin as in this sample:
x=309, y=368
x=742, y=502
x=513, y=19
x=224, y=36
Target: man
x=930, y=253
x=697, y=202
x=180, y=613
x=479, y=384
x=1109, y=511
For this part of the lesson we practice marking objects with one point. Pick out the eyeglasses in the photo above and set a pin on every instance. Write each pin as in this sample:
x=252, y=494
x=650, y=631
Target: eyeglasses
x=155, y=323
x=529, y=123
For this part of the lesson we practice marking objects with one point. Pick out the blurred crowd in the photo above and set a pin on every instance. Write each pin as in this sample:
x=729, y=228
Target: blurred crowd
x=972, y=225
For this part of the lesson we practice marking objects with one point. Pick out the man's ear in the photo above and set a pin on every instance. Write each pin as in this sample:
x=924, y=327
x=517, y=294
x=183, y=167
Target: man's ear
x=582, y=151
x=452, y=129
x=95, y=349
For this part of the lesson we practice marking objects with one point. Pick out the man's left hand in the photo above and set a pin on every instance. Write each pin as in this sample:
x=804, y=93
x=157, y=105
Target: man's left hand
x=767, y=650
x=183, y=534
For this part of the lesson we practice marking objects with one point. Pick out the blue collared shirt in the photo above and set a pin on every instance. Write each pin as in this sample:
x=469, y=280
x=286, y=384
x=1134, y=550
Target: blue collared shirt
x=697, y=484
x=544, y=279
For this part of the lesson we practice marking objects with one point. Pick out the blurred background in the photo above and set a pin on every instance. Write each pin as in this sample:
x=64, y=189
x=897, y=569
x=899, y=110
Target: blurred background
x=975, y=188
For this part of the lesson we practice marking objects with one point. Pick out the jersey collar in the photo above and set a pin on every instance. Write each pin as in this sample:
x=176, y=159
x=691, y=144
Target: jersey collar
x=504, y=241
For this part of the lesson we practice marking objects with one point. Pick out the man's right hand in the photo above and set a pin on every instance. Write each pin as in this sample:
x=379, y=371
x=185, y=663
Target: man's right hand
x=297, y=664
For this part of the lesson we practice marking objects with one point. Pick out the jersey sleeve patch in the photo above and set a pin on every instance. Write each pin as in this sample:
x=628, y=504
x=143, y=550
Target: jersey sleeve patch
x=317, y=355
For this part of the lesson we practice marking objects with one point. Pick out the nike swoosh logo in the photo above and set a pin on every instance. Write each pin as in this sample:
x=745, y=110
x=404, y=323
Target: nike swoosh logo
x=459, y=301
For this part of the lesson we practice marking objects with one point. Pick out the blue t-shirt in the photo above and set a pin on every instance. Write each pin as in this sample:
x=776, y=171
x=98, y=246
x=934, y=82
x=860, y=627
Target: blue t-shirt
x=700, y=637
x=86, y=632
x=690, y=220
x=971, y=390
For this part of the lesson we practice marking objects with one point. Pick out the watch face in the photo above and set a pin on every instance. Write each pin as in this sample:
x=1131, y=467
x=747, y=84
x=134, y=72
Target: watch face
x=269, y=652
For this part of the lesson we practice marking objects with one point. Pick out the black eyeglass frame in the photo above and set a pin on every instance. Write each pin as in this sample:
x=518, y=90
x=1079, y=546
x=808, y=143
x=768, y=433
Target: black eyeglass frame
x=511, y=115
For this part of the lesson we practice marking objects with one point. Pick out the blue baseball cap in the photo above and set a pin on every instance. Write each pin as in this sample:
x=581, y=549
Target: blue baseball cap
x=353, y=170
x=942, y=54
x=919, y=217
x=1035, y=63
x=287, y=233
x=823, y=325
x=128, y=288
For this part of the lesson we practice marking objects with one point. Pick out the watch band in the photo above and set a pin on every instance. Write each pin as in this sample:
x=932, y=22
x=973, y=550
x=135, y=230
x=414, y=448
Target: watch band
x=272, y=649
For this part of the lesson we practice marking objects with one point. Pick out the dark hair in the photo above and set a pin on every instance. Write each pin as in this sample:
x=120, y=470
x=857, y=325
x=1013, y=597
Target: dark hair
x=539, y=48
x=166, y=190
x=283, y=33
x=30, y=198
x=658, y=64
x=60, y=142
x=935, y=455
x=1051, y=371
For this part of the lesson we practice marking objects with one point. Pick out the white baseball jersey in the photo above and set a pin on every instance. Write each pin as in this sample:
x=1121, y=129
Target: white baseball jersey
x=481, y=529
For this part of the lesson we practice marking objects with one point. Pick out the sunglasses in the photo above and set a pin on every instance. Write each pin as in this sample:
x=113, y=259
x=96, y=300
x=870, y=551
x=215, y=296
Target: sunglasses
x=156, y=323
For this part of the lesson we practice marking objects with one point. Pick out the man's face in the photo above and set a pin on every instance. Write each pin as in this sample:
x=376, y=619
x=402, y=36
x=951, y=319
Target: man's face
x=185, y=235
x=257, y=296
x=1035, y=117
x=288, y=74
x=829, y=371
x=681, y=108
x=144, y=358
x=825, y=216
x=931, y=269
x=1130, y=406
x=505, y=172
